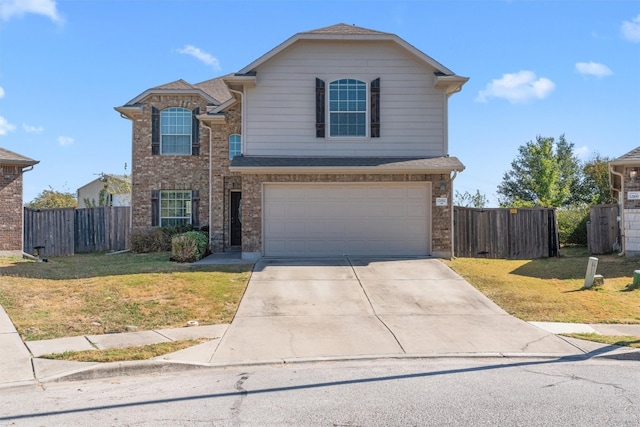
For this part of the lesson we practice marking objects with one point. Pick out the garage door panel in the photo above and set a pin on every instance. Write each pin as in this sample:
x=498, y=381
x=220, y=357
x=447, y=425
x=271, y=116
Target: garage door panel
x=346, y=219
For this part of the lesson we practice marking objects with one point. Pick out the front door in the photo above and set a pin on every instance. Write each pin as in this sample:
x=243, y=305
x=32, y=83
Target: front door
x=236, y=218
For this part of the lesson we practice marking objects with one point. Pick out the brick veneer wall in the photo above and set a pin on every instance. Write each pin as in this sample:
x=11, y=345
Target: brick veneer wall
x=157, y=172
x=160, y=172
x=631, y=216
x=252, y=204
x=11, y=208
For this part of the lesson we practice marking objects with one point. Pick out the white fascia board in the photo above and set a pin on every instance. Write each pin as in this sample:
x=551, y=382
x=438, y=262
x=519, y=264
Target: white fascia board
x=362, y=37
x=129, y=111
x=450, y=84
x=308, y=170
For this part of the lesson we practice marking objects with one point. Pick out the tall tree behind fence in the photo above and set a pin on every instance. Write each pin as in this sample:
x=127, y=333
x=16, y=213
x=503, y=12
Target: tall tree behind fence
x=67, y=231
x=505, y=233
x=603, y=229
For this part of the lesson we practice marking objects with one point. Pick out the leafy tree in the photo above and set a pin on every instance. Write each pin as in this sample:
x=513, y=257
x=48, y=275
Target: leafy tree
x=112, y=184
x=545, y=173
x=469, y=200
x=595, y=183
x=53, y=199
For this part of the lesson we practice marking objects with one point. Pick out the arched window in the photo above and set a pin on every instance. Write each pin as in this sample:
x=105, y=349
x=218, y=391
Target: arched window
x=347, y=108
x=175, y=131
x=235, y=145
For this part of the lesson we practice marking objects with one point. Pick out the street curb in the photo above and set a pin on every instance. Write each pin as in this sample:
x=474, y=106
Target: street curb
x=159, y=367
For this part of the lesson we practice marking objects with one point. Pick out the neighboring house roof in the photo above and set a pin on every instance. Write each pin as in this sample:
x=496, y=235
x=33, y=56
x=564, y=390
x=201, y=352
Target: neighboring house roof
x=632, y=156
x=121, y=178
x=372, y=164
x=8, y=157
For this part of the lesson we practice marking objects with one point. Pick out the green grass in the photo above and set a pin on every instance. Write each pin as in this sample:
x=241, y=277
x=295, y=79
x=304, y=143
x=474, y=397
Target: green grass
x=550, y=289
x=98, y=293
x=143, y=352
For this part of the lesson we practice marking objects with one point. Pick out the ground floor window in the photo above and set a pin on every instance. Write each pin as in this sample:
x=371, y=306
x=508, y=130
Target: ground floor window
x=175, y=208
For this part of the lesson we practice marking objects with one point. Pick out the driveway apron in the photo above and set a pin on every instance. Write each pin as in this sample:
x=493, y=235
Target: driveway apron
x=351, y=307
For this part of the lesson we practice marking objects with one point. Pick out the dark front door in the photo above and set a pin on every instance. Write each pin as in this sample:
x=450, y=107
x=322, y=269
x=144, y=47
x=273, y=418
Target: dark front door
x=236, y=218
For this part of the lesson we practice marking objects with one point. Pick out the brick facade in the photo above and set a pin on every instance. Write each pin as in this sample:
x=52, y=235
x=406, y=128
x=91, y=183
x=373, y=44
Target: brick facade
x=11, y=208
x=252, y=203
x=186, y=172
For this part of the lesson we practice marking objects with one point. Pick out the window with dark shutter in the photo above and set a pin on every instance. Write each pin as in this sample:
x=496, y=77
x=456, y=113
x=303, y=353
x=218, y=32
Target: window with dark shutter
x=155, y=131
x=155, y=208
x=320, y=94
x=375, y=108
x=195, y=204
x=195, y=132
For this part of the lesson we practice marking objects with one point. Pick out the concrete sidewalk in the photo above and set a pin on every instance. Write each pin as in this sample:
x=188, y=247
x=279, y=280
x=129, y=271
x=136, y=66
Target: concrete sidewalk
x=349, y=310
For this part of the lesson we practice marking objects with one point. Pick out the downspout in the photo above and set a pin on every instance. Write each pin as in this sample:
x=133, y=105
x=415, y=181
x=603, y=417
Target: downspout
x=451, y=178
x=621, y=205
x=210, y=185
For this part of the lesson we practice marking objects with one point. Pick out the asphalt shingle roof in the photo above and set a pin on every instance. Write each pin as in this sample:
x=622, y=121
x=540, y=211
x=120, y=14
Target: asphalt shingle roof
x=8, y=157
x=344, y=29
x=382, y=163
x=631, y=156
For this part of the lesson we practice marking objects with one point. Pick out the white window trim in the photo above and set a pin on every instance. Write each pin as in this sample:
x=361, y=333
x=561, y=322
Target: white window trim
x=327, y=110
x=188, y=153
x=229, y=145
x=189, y=218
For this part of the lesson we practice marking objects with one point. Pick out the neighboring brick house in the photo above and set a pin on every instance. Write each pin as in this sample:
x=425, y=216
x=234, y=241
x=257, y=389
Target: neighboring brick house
x=12, y=166
x=624, y=174
x=333, y=143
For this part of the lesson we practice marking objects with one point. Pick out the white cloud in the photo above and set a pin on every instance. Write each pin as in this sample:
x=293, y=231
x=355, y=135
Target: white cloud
x=1, y=92
x=593, y=69
x=5, y=126
x=17, y=8
x=32, y=129
x=631, y=30
x=65, y=141
x=582, y=152
x=517, y=87
x=201, y=55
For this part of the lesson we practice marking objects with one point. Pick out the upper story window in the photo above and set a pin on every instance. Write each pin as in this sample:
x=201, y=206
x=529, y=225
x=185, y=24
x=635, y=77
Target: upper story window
x=235, y=145
x=175, y=131
x=347, y=108
x=353, y=108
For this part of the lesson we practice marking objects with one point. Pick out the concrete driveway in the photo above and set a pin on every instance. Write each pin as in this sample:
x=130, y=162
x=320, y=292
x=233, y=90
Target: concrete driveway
x=350, y=307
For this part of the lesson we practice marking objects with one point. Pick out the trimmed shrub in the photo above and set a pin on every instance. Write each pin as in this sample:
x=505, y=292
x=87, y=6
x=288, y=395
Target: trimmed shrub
x=188, y=247
x=572, y=225
x=150, y=239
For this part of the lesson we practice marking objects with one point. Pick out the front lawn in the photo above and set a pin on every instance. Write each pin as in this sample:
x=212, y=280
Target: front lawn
x=549, y=289
x=98, y=293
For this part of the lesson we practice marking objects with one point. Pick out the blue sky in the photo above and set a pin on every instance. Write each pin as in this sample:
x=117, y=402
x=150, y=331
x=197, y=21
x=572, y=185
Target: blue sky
x=536, y=68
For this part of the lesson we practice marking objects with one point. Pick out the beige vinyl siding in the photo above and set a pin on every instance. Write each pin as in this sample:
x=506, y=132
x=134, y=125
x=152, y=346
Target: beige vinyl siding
x=280, y=110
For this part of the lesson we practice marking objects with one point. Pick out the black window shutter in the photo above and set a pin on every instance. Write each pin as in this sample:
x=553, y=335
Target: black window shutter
x=155, y=208
x=155, y=131
x=375, y=108
x=195, y=132
x=195, y=204
x=320, y=93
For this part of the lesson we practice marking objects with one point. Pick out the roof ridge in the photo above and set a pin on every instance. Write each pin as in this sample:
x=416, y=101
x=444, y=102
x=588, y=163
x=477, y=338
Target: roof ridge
x=345, y=29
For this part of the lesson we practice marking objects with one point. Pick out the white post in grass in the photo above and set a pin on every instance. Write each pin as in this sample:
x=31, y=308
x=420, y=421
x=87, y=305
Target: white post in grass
x=591, y=272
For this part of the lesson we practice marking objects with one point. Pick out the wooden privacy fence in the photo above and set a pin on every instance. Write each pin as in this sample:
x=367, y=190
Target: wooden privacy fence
x=67, y=231
x=603, y=229
x=505, y=233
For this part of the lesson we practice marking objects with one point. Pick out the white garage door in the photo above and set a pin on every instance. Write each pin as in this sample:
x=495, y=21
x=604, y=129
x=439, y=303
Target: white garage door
x=347, y=219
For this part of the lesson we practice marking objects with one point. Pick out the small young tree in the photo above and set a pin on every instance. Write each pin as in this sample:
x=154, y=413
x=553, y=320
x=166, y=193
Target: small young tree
x=471, y=200
x=53, y=199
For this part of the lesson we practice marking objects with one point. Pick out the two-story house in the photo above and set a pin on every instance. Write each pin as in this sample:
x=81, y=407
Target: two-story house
x=333, y=143
x=624, y=176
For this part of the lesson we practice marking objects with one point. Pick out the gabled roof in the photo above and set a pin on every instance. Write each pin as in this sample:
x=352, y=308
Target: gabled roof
x=632, y=156
x=8, y=157
x=347, y=32
x=214, y=91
